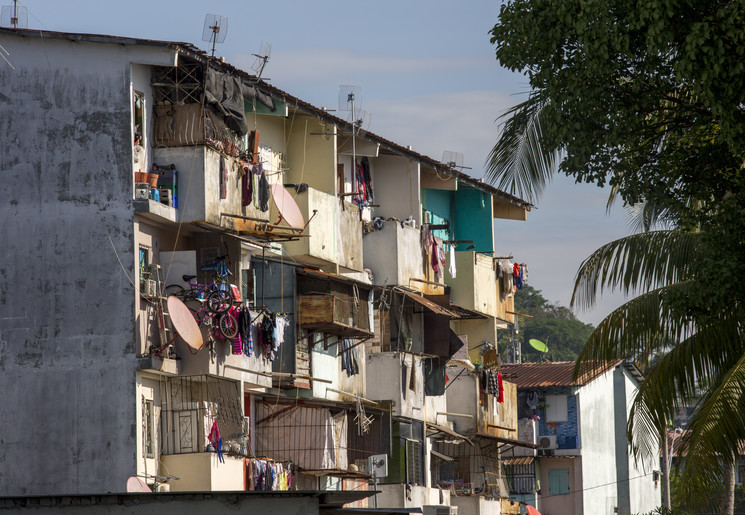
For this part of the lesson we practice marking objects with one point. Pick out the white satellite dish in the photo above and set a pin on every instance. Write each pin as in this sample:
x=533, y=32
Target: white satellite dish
x=215, y=29
x=261, y=59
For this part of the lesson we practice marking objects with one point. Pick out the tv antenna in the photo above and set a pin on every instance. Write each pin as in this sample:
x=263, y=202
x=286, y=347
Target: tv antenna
x=350, y=101
x=215, y=29
x=14, y=16
x=454, y=159
x=261, y=59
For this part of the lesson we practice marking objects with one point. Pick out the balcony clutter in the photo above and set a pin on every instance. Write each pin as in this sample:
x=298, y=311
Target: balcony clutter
x=283, y=302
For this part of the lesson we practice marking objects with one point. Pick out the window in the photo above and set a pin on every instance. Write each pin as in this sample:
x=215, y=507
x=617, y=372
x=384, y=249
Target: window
x=407, y=456
x=148, y=440
x=139, y=118
x=556, y=408
x=558, y=482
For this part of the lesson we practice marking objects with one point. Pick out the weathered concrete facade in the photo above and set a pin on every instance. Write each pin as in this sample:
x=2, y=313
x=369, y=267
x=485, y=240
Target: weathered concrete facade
x=68, y=355
x=98, y=390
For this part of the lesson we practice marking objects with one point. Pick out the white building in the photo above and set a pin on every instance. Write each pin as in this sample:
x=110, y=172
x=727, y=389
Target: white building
x=583, y=464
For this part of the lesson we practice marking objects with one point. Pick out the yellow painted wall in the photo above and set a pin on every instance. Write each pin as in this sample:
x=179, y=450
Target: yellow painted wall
x=321, y=241
x=201, y=471
x=475, y=285
x=310, y=156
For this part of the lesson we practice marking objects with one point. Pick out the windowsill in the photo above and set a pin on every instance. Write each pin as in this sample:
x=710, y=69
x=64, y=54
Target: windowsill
x=154, y=210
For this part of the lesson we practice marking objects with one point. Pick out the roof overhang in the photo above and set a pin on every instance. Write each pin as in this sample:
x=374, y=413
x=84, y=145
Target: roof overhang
x=442, y=430
x=507, y=441
x=429, y=305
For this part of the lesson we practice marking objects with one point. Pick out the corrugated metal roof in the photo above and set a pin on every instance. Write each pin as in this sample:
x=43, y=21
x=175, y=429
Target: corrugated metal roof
x=520, y=460
x=555, y=373
x=428, y=304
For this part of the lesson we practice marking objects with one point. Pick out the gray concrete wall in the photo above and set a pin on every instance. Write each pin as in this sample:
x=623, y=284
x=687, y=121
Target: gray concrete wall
x=67, y=335
x=164, y=504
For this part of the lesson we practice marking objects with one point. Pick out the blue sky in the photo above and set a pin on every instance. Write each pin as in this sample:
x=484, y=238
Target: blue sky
x=429, y=78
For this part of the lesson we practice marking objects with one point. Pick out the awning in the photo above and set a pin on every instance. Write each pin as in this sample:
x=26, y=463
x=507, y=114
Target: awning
x=508, y=441
x=446, y=430
x=518, y=460
x=230, y=232
x=429, y=305
x=349, y=474
x=440, y=455
x=466, y=314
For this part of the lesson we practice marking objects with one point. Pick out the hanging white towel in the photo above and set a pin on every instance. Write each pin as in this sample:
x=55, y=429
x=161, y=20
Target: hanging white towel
x=452, y=261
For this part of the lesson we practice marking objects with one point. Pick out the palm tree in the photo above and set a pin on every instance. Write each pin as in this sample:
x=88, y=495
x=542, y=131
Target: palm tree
x=703, y=356
x=704, y=359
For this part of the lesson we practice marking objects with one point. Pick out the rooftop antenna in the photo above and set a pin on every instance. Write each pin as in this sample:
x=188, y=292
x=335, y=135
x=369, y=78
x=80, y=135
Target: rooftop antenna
x=15, y=16
x=454, y=159
x=350, y=101
x=261, y=59
x=215, y=29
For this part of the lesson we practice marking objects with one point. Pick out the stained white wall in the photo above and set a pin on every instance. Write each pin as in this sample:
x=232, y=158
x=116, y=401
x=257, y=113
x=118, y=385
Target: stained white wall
x=598, y=440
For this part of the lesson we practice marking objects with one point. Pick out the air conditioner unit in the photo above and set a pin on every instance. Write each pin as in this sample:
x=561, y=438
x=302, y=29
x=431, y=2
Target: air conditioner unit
x=439, y=510
x=547, y=442
x=148, y=288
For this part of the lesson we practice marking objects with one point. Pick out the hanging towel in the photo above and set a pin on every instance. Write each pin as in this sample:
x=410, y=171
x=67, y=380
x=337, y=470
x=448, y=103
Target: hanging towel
x=452, y=261
x=434, y=376
x=412, y=379
x=264, y=193
x=500, y=395
x=247, y=187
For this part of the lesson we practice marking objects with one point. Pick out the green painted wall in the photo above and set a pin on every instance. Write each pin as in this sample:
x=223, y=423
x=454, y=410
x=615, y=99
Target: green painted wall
x=473, y=218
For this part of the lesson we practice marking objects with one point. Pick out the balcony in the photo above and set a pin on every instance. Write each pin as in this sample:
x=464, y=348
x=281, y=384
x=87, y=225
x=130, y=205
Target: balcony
x=203, y=472
x=394, y=255
x=477, y=412
x=391, y=376
x=475, y=285
x=333, y=236
x=201, y=184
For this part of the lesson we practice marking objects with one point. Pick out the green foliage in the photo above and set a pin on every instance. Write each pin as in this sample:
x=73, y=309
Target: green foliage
x=553, y=324
x=648, y=97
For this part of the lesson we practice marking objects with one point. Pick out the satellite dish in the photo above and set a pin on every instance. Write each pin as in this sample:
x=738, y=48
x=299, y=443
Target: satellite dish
x=350, y=98
x=215, y=29
x=136, y=485
x=538, y=345
x=287, y=207
x=360, y=120
x=452, y=159
x=261, y=59
x=15, y=16
x=184, y=323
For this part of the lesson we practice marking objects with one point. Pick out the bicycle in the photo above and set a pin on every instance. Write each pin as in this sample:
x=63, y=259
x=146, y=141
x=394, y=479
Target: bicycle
x=217, y=293
x=224, y=325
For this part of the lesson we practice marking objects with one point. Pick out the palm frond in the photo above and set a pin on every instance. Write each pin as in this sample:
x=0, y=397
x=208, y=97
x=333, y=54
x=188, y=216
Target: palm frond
x=647, y=215
x=715, y=432
x=638, y=328
x=636, y=263
x=678, y=376
x=520, y=163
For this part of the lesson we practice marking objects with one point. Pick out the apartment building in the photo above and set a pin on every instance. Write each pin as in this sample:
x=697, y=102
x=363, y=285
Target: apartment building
x=361, y=271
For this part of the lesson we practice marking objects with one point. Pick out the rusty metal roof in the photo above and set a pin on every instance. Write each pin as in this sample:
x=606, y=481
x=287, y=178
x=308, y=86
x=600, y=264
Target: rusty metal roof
x=555, y=373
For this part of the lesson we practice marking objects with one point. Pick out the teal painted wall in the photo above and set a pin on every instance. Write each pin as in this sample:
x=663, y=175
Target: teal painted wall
x=438, y=202
x=473, y=218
